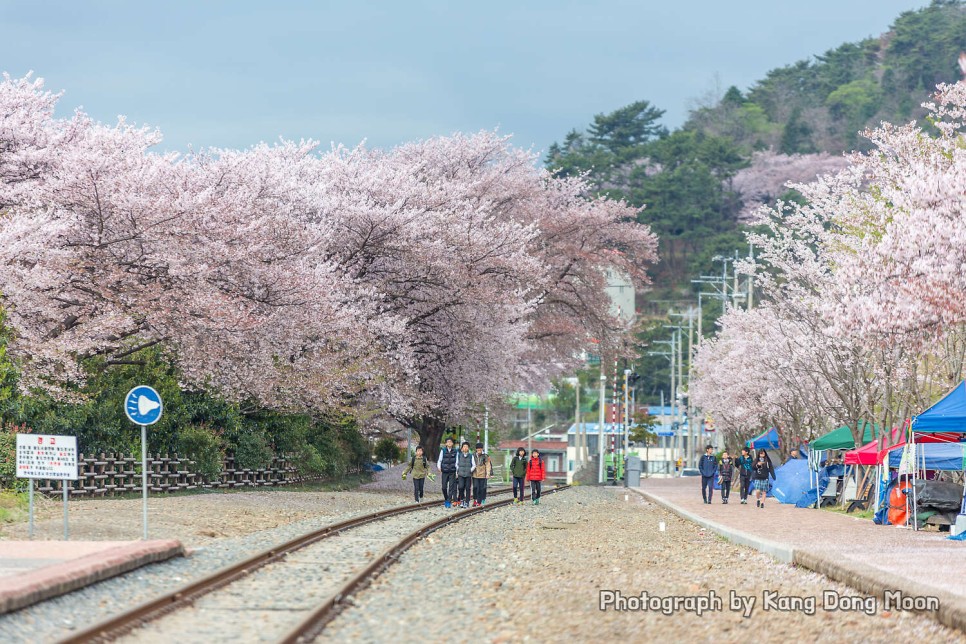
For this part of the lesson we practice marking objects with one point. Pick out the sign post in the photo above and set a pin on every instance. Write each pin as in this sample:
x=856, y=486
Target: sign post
x=42, y=456
x=143, y=407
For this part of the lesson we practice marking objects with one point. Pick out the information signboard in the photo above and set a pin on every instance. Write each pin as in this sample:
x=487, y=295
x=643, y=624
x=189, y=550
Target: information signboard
x=41, y=456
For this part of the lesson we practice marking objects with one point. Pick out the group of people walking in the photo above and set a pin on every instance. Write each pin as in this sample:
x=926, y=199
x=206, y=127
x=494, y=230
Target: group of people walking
x=751, y=472
x=464, y=475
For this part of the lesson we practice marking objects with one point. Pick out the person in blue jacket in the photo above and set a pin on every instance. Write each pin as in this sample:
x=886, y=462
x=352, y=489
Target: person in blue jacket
x=708, y=466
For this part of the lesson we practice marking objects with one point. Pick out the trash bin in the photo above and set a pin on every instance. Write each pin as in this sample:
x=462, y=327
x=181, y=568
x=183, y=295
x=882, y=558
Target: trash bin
x=632, y=473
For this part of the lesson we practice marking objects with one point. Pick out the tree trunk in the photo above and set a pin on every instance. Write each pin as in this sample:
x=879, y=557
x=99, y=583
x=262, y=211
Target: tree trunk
x=430, y=429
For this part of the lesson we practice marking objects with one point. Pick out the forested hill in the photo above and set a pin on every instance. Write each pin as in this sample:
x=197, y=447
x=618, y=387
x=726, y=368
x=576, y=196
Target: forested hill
x=821, y=104
x=738, y=150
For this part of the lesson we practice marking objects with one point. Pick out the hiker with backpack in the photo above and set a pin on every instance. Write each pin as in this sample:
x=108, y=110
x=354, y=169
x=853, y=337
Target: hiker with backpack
x=536, y=473
x=465, y=464
x=419, y=466
x=518, y=469
x=482, y=472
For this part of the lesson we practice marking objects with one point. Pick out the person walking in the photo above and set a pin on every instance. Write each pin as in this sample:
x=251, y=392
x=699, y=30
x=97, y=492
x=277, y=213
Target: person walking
x=536, y=473
x=743, y=465
x=518, y=470
x=481, y=472
x=419, y=466
x=446, y=464
x=760, y=472
x=708, y=466
x=465, y=463
x=726, y=470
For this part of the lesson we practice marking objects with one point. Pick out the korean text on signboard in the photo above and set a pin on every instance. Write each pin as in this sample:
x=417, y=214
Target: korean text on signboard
x=40, y=456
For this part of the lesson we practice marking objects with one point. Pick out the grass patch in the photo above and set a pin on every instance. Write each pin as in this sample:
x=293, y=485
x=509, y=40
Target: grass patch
x=858, y=514
x=13, y=506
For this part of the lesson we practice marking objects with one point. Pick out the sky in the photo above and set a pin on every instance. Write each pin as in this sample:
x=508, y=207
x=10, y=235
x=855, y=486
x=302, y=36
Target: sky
x=232, y=74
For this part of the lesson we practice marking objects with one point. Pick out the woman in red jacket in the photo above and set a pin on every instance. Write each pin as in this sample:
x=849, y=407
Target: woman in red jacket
x=536, y=472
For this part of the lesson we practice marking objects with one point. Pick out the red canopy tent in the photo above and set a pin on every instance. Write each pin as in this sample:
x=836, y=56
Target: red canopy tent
x=870, y=454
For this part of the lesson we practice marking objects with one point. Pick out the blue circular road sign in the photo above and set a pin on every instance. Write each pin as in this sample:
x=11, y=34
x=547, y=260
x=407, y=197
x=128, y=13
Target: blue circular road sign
x=143, y=405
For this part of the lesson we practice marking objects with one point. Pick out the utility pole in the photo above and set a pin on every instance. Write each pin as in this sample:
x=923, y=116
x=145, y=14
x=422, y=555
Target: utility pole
x=627, y=416
x=529, y=428
x=751, y=278
x=577, y=422
x=486, y=429
x=600, y=424
x=734, y=290
x=674, y=415
x=680, y=381
x=691, y=445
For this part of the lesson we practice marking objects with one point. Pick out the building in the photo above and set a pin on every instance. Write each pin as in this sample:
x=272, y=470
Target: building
x=656, y=459
x=553, y=453
x=621, y=291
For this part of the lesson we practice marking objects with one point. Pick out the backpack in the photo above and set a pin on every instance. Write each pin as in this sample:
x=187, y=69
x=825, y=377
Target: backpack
x=413, y=461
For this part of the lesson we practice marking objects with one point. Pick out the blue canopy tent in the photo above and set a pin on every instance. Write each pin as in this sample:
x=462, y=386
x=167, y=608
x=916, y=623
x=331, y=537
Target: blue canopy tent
x=946, y=416
x=767, y=440
x=935, y=456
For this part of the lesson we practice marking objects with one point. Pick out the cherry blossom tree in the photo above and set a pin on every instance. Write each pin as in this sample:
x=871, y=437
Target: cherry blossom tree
x=422, y=280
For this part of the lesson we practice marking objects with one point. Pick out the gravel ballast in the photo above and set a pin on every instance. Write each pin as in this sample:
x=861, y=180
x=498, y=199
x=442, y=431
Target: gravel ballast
x=535, y=573
x=219, y=528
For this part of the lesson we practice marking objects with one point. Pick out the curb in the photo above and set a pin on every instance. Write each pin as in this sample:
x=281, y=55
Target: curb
x=779, y=551
x=952, y=609
x=20, y=591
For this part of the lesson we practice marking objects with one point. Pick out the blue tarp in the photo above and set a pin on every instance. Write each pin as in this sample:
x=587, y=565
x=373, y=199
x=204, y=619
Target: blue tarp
x=947, y=415
x=791, y=480
x=768, y=440
x=939, y=456
x=809, y=497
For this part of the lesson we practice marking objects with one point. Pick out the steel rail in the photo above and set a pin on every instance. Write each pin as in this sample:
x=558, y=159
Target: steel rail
x=122, y=623
x=315, y=623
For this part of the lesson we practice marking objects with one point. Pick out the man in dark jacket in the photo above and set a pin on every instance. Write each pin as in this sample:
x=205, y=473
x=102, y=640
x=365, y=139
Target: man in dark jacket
x=446, y=464
x=708, y=466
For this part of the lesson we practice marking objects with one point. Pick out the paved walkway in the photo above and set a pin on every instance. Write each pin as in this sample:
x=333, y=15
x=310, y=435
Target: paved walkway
x=868, y=557
x=32, y=571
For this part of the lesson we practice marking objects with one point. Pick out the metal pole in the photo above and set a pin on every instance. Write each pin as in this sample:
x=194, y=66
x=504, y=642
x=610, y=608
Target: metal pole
x=529, y=429
x=662, y=422
x=144, y=478
x=734, y=290
x=681, y=378
x=600, y=424
x=627, y=418
x=634, y=411
x=486, y=429
x=751, y=278
x=691, y=445
x=30, y=508
x=577, y=423
x=66, y=531
x=674, y=416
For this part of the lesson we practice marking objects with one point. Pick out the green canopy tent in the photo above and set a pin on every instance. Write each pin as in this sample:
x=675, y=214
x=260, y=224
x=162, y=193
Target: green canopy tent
x=841, y=438
x=837, y=439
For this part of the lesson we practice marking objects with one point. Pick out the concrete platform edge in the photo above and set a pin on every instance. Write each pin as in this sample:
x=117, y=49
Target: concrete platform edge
x=39, y=585
x=952, y=609
x=779, y=551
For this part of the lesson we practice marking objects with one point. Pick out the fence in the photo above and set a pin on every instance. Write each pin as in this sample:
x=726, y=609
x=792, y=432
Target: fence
x=108, y=475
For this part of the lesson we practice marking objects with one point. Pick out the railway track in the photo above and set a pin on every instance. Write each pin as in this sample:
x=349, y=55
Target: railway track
x=314, y=573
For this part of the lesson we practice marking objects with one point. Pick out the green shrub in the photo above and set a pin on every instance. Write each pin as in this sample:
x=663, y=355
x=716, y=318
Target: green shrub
x=252, y=451
x=203, y=445
x=8, y=457
x=387, y=450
